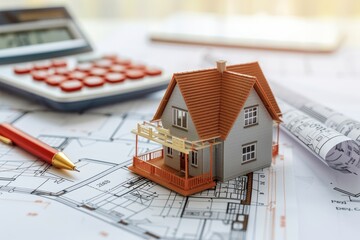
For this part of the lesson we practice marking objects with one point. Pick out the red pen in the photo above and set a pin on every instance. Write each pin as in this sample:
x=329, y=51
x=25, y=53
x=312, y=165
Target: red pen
x=11, y=135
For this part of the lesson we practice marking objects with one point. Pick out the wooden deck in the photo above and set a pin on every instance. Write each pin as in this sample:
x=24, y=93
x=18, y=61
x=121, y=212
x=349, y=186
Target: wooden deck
x=151, y=165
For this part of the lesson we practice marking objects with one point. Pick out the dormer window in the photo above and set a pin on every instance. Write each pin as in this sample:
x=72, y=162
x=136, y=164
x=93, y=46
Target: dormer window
x=251, y=116
x=180, y=118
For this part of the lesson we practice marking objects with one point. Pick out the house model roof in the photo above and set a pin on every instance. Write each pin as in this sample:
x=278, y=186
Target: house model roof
x=215, y=97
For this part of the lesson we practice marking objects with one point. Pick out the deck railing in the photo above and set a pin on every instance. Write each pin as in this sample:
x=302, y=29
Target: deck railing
x=155, y=132
x=142, y=162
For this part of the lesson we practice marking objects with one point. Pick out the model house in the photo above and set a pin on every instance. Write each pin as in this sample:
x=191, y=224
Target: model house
x=213, y=124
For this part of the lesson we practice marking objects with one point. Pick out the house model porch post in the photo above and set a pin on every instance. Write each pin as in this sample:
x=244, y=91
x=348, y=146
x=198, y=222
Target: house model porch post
x=211, y=160
x=186, y=171
x=136, y=145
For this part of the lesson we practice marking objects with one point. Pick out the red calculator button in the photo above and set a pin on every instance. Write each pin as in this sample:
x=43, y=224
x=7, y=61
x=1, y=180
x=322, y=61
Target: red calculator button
x=134, y=74
x=77, y=75
x=98, y=72
x=110, y=56
x=59, y=63
x=84, y=67
x=71, y=85
x=42, y=65
x=123, y=61
x=153, y=71
x=55, y=80
x=118, y=68
x=62, y=71
x=137, y=66
x=39, y=75
x=24, y=69
x=93, y=81
x=103, y=63
x=115, y=77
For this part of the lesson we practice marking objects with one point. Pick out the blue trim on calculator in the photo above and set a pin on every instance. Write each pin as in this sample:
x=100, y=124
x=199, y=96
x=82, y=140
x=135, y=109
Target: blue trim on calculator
x=77, y=106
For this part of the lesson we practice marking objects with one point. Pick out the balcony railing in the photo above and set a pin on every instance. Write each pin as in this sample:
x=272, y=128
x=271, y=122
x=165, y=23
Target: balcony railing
x=155, y=132
x=145, y=163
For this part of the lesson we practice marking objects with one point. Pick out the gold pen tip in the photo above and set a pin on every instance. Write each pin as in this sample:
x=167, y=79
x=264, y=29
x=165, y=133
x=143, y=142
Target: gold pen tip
x=75, y=169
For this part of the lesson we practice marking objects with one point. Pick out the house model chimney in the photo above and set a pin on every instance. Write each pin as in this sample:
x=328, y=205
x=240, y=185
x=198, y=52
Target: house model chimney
x=221, y=66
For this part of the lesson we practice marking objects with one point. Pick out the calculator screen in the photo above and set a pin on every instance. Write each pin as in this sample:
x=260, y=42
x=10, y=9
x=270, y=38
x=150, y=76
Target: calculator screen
x=28, y=34
x=32, y=37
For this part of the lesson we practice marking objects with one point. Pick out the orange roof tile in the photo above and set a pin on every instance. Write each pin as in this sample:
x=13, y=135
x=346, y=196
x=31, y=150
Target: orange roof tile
x=254, y=69
x=214, y=100
x=234, y=94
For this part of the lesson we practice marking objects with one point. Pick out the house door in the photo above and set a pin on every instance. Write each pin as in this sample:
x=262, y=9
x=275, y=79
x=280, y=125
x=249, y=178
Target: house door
x=182, y=162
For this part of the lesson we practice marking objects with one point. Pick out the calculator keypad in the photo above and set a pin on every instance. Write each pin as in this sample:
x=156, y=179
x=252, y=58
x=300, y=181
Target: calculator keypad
x=90, y=73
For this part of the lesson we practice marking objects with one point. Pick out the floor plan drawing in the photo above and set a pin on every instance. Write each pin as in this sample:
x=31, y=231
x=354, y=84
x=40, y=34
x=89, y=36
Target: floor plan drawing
x=124, y=204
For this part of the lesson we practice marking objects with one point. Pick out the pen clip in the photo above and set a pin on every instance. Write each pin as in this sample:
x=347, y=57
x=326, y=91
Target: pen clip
x=5, y=140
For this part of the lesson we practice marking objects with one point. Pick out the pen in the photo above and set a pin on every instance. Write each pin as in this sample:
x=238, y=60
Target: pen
x=11, y=135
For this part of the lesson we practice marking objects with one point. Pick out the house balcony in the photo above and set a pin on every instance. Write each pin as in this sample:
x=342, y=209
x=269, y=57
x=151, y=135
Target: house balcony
x=151, y=166
x=154, y=131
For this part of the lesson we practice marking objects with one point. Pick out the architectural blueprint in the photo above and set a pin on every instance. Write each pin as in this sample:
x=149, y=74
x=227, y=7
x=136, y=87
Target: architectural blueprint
x=106, y=201
x=333, y=148
x=329, y=117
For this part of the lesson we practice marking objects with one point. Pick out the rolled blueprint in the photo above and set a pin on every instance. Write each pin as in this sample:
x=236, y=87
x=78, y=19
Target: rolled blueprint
x=331, y=147
x=323, y=114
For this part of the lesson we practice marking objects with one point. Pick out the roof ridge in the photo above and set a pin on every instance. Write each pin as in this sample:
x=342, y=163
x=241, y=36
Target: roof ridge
x=210, y=69
x=240, y=74
x=193, y=71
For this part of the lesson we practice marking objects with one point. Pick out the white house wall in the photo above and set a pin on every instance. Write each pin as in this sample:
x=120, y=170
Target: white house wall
x=238, y=136
x=177, y=100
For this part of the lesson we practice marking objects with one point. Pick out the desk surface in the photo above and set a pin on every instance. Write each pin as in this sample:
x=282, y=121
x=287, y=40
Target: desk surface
x=319, y=77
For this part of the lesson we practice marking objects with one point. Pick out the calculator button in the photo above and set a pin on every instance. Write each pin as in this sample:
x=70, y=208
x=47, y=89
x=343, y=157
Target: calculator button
x=103, y=63
x=98, y=72
x=84, y=67
x=115, y=77
x=39, y=75
x=88, y=58
x=62, y=71
x=42, y=65
x=110, y=56
x=118, y=68
x=137, y=66
x=134, y=74
x=93, y=81
x=55, y=80
x=77, y=75
x=24, y=69
x=123, y=61
x=153, y=71
x=59, y=63
x=71, y=85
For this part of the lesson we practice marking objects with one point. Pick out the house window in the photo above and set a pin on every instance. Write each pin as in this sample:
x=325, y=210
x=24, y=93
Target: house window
x=180, y=118
x=251, y=115
x=249, y=152
x=169, y=151
x=194, y=159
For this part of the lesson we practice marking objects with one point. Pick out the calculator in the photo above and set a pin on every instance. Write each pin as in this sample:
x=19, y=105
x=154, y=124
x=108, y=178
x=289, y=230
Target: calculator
x=45, y=56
